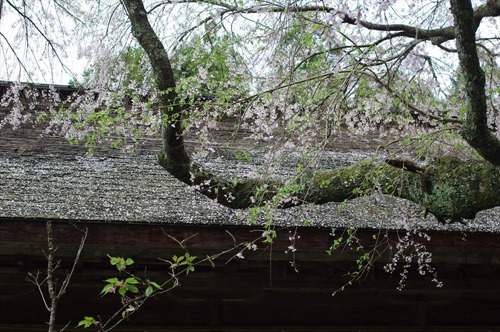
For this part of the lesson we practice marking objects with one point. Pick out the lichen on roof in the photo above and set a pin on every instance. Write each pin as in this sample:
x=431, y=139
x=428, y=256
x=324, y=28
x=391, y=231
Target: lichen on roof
x=113, y=189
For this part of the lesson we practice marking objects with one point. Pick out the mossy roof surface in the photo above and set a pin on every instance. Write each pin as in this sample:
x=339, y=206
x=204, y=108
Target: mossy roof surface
x=138, y=190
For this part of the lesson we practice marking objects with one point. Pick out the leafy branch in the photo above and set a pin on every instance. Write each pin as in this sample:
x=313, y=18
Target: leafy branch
x=135, y=291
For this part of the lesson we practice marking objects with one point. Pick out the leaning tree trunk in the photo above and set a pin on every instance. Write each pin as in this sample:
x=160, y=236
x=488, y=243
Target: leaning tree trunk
x=448, y=188
x=174, y=155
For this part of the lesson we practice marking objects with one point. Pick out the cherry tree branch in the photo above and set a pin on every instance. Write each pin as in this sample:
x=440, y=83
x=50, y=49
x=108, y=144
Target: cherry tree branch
x=171, y=110
x=431, y=187
x=436, y=36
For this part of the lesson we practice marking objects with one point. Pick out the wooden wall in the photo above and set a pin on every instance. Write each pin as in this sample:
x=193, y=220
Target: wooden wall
x=260, y=292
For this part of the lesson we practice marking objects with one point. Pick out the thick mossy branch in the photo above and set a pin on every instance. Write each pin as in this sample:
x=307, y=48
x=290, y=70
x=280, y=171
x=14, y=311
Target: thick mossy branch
x=235, y=194
x=456, y=189
x=170, y=107
x=448, y=188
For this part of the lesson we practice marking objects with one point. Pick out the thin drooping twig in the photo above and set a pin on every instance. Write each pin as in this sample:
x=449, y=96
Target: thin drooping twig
x=50, y=42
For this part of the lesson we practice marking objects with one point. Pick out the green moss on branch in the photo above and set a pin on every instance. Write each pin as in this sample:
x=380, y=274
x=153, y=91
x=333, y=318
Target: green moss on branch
x=449, y=188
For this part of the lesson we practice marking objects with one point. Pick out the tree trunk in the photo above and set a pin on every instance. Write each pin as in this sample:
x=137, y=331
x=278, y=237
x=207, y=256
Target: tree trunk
x=475, y=130
x=176, y=159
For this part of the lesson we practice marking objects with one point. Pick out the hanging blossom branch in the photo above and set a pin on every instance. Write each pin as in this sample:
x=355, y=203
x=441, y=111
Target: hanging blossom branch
x=366, y=71
x=408, y=104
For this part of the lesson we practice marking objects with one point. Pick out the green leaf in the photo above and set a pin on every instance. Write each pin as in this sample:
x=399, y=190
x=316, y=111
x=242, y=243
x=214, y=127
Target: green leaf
x=190, y=258
x=149, y=291
x=132, y=288
x=189, y=269
x=87, y=322
x=120, y=262
x=113, y=260
x=122, y=291
x=132, y=281
x=155, y=285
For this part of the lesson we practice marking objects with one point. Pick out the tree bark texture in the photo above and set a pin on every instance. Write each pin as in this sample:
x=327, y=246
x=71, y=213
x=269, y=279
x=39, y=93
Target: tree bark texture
x=51, y=266
x=448, y=188
x=177, y=159
x=475, y=129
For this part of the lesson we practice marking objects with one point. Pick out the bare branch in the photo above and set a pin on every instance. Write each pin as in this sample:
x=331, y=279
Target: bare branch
x=437, y=36
x=76, y=260
x=53, y=294
x=33, y=278
x=51, y=284
x=21, y=63
x=181, y=243
x=50, y=42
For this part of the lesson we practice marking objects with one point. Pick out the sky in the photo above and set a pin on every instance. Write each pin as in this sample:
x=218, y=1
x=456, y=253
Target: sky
x=42, y=65
x=37, y=59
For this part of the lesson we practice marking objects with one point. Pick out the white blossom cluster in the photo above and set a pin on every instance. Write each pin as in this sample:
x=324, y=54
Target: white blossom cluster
x=410, y=250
